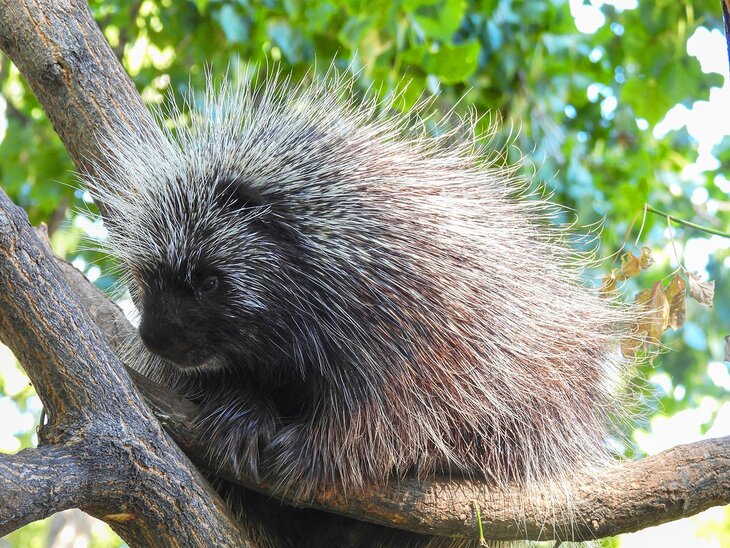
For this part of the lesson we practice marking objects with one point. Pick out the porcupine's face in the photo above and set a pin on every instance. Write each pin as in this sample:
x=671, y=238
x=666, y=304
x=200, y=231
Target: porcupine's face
x=196, y=286
x=180, y=312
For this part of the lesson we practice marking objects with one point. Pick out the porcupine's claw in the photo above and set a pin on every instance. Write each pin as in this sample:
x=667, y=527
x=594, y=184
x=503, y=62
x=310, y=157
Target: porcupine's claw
x=293, y=461
x=237, y=430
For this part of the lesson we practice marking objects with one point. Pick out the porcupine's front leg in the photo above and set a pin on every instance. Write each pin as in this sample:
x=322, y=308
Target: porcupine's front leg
x=293, y=459
x=317, y=452
x=237, y=425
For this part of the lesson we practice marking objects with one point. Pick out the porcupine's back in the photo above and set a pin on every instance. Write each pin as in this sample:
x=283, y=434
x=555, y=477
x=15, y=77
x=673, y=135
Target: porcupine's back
x=438, y=313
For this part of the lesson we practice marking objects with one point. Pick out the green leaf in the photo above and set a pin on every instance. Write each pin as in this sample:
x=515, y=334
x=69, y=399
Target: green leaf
x=647, y=98
x=290, y=40
x=355, y=29
x=452, y=64
x=437, y=19
x=201, y=5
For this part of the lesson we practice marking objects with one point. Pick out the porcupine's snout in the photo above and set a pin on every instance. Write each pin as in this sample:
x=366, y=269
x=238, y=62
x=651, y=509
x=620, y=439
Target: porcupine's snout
x=168, y=337
x=164, y=340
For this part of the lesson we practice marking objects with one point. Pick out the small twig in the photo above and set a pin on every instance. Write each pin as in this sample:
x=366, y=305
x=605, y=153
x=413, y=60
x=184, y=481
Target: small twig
x=726, y=22
x=615, y=256
x=680, y=266
x=641, y=228
x=482, y=542
x=687, y=223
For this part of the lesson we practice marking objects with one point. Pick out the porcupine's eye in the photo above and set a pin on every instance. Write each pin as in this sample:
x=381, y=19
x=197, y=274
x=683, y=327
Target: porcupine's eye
x=208, y=284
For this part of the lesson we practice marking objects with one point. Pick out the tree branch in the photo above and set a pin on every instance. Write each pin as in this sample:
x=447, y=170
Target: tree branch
x=59, y=49
x=129, y=472
x=36, y=483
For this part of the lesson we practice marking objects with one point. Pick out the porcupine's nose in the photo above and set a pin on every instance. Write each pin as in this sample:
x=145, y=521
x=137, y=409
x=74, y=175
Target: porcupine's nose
x=164, y=340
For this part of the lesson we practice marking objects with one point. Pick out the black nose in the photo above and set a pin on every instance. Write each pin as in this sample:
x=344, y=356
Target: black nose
x=165, y=340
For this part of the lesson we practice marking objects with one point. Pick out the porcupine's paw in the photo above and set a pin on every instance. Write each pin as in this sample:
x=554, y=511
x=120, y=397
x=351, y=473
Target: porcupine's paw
x=293, y=461
x=236, y=436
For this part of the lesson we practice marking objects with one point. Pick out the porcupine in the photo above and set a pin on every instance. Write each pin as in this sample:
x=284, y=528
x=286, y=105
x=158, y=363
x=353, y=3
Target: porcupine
x=352, y=299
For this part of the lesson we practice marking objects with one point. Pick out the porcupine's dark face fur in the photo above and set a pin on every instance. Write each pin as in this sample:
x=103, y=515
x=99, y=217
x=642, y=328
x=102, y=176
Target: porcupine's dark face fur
x=201, y=307
x=184, y=313
x=181, y=320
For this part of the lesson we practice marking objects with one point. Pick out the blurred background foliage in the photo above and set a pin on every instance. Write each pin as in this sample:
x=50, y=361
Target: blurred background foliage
x=615, y=103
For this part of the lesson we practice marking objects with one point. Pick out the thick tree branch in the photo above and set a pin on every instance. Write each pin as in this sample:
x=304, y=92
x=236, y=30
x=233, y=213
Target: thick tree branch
x=72, y=70
x=64, y=57
x=36, y=483
x=133, y=476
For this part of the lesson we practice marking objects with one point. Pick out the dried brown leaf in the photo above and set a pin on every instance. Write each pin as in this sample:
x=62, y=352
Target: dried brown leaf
x=630, y=346
x=645, y=258
x=702, y=292
x=609, y=281
x=630, y=266
x=676, y=296
x=656, y=321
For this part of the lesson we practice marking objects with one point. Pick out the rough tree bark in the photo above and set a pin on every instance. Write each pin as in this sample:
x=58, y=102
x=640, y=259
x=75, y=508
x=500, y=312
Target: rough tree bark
x=102, y=449
x=97, y=417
